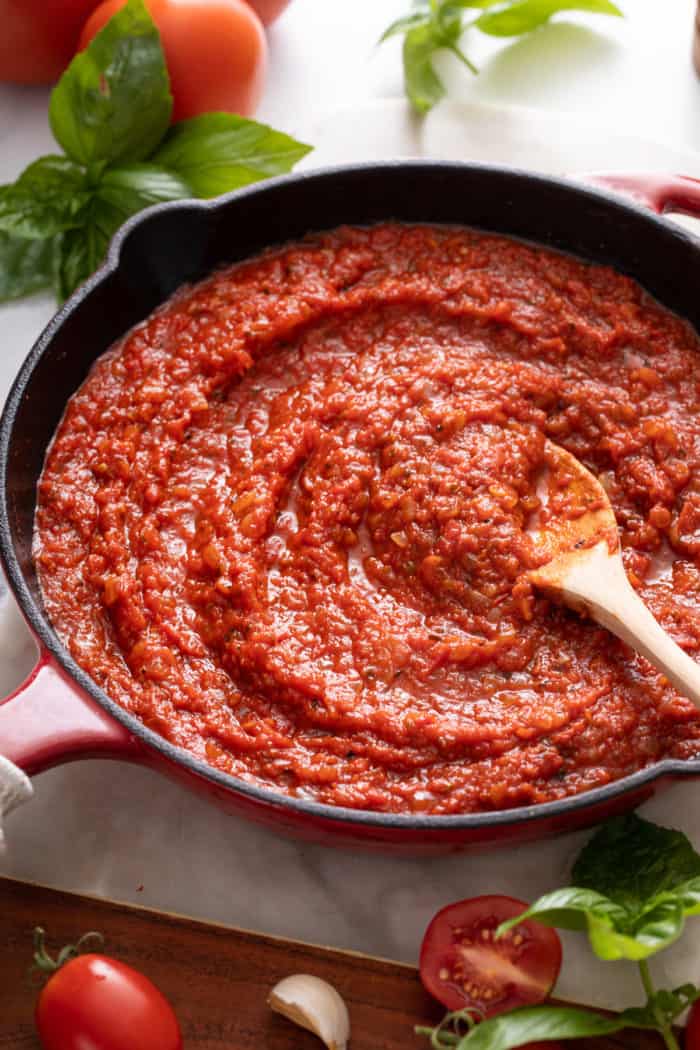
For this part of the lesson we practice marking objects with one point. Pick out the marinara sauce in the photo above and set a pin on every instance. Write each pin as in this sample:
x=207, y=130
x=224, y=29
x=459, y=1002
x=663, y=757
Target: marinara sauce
x=285, y=520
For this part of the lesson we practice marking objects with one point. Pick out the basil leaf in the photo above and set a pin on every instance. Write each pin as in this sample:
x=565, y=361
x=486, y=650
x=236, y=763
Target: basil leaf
x=632, y=861
x=113, y=103
x=122, y=192
x=632, y=940
x=526, y=15
x=81, y=253
x=534, y=1023
x=435, y=27
x=218, y=152
x=82, y=250
x=635, y=885
x=614, y=932
x=569, y=909
x=129, y=189
x=45, y=199
x=26, y=266
x=423, y=86
x=577, y=908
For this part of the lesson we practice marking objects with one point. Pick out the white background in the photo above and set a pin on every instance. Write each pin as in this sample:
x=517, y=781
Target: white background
x=602, y=93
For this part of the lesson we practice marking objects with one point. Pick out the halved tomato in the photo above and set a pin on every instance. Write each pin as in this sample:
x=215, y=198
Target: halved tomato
x=464, y=966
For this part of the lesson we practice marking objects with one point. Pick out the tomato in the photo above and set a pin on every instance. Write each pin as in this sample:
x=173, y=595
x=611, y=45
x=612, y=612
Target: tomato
x=215, y=50
x=268, y=10
x=96, y=1003
x=691, y=1039
x=463, y=965
x=38, y=37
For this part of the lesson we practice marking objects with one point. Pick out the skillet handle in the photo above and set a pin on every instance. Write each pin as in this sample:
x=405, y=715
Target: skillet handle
x=49, y=720
x=661, y=193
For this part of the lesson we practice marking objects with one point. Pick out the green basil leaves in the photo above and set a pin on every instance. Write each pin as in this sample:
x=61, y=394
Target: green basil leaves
x=219, y=152
x=438, y=25
x=110, y=113
x=635, y=885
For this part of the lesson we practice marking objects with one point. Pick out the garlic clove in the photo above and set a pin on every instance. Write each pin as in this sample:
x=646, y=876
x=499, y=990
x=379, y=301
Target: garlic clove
x=313, y=1004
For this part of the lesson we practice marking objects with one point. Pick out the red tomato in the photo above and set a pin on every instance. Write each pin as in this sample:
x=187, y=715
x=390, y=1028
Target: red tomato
x=38, y=38
x=268, y=10
x=96, y=1003
x=691, y=1039
x=215, y=50
x=463, y=965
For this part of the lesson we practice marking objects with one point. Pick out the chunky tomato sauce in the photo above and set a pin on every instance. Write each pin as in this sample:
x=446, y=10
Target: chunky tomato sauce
x=285, y=520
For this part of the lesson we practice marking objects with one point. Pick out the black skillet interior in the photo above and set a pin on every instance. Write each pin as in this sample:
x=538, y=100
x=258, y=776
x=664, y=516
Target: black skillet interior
x=177, y=243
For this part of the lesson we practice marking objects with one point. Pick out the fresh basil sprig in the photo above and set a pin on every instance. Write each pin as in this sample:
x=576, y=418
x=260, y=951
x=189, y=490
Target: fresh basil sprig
x=110, y=113
x=525, y=1025
x=535, y=1024
x=438, y=25
x=634, y=885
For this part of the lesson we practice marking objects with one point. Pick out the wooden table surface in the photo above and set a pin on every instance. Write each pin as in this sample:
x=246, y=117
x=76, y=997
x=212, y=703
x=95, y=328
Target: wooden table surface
x=218, y=978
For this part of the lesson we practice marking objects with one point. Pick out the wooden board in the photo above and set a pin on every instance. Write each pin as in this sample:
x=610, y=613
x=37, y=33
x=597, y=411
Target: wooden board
x=218, y=978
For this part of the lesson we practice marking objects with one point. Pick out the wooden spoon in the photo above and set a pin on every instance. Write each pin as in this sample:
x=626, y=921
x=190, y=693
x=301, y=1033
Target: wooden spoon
x=577, y=531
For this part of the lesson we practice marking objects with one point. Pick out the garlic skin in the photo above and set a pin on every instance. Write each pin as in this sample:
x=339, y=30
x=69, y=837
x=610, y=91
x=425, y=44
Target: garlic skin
x=313, y=1004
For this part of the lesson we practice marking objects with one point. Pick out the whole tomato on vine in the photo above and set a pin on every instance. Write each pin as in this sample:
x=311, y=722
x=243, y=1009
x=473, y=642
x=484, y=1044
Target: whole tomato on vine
x=94, y=1002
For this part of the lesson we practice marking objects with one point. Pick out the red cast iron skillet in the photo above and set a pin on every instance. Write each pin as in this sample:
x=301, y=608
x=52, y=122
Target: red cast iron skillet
x=59, y=714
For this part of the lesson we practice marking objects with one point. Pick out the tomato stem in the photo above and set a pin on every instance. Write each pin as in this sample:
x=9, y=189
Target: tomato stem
x=440, y=1037
x=663, y=1025
x=42, y=960
x=46, y=963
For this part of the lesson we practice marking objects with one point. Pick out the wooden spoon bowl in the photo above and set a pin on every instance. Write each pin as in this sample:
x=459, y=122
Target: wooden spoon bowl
x=576, y=532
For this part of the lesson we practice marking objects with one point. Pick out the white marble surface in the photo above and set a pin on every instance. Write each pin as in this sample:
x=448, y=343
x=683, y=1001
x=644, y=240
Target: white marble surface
x=125, y=833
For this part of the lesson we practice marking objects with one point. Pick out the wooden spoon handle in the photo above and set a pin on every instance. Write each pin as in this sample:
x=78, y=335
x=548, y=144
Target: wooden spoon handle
x=598, y=584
